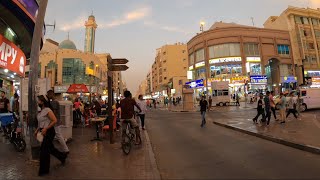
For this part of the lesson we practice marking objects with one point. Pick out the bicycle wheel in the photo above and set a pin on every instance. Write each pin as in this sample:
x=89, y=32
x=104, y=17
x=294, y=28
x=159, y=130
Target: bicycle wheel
x=126, y=145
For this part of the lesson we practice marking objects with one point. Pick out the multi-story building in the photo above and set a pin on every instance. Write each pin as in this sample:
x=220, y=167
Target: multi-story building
x=149, y=83
x=171, y=63
x=303, y=25
x=245, y=56
x=117, y=83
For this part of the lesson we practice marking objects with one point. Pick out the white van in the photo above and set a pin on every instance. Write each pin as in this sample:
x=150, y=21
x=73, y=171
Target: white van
x=310, y=98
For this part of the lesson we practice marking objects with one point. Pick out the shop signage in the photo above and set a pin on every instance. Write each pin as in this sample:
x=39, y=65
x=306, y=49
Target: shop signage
x=200, y=64
x=190, y=74
x=223, y=60
x=315, y=81
x=288, y=79
x=61, y=89
x=31, y=6
x=191, y=67
x=77, y=88
x=239, y=79
x=195, y=84
x=253, y=59
x=11, y=57
x=258, y=79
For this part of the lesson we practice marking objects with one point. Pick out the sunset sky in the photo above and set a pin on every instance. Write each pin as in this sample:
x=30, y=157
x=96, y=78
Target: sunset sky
x=135, y=29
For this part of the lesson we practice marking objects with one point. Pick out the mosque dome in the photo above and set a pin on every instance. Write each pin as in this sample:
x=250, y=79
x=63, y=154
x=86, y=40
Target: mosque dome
x=67, y=44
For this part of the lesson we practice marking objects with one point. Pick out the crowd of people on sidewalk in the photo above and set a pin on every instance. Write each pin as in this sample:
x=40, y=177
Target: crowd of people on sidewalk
x=266, y=106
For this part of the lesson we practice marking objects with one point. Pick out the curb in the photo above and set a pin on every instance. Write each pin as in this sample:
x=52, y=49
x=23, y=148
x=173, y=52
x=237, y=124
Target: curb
x=302, y=147
x=154, y=165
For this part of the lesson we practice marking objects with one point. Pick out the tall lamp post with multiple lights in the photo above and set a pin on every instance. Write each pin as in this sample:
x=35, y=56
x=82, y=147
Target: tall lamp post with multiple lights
x=202, y=23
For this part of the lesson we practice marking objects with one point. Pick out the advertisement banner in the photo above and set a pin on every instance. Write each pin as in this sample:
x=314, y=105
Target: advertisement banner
x=11, y=57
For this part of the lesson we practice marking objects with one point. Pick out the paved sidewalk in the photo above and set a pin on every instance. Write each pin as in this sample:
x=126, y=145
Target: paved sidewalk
x=87, y=160
x=301, y=134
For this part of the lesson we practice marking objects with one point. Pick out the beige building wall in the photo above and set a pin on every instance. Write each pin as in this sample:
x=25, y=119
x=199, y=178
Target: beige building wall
x=171, y=61
x=303, y=25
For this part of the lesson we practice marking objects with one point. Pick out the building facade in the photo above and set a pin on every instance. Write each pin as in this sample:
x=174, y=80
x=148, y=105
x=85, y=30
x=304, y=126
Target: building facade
x=65, y=65
x=303, y=25
x=247, y=57
x=17, y=21
x=171, y=62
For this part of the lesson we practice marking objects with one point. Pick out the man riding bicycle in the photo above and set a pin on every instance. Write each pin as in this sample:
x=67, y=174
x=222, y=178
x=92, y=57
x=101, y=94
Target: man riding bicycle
x=127, y=113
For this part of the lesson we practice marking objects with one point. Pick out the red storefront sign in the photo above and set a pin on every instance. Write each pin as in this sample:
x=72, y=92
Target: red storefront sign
x=77, y=88
x=11, y=57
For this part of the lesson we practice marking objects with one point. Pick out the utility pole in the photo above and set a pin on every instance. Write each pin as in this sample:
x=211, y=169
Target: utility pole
x=33, y=78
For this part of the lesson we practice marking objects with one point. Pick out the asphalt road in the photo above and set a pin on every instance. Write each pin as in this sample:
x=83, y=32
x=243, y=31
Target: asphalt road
x=183, y=150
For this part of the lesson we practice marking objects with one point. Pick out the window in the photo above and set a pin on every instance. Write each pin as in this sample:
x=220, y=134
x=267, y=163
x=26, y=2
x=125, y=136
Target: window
x=191, y=59
x=304, y=20
x=297, y=19
x=315, y=21
x=200, y=55
x=251, y=49
x=283, y=50
x=184, y=67
x=310, y=46
x=317, y=33
x=184, y=59
x=165, y=78
x=164, y=70
x=183, y=51
x=224, y=50
x=74, y=71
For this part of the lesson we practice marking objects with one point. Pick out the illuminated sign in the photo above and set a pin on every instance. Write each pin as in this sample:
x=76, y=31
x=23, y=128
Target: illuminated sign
x=200, y=64
x=11, y=57
x=253, y=59
x=196, y=84
x=223, y=60
x=190, y=74
x=288, y=79
x=191, y=67
x=258, y=79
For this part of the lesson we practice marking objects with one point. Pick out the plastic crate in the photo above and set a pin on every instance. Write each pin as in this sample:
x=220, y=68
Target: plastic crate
x=6, y=118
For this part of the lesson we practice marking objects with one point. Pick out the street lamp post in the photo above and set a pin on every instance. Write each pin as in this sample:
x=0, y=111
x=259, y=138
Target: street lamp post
x=33, y=77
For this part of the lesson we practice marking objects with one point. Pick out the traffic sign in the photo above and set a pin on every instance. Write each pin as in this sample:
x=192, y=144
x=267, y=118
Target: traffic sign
x=119, y=68
x=120, y=61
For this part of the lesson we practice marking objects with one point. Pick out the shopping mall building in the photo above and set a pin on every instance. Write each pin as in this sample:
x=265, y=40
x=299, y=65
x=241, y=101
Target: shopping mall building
x=249, y=58
x=17, y=21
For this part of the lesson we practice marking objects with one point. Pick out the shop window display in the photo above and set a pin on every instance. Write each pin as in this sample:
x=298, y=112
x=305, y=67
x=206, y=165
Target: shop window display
x=218, y=71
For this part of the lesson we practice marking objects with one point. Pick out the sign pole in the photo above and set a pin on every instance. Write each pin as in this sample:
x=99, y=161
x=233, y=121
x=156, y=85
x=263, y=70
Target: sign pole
x=33, y=78
x=110, y=102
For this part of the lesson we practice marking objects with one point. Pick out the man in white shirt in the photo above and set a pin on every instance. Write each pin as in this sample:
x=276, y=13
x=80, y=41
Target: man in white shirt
x=143, y=105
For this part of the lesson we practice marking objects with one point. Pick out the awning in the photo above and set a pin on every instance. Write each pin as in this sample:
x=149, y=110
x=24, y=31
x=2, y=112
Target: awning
x=78, y=88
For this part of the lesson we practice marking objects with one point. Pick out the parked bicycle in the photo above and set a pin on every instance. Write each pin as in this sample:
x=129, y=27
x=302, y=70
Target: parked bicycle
x=129, y=138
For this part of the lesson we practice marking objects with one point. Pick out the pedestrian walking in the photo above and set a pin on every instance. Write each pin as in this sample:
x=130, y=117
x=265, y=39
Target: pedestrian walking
x=4, y=107
x=237, y=100
x=46, y=122
x=203, y=109
x=267, y=107
x=260, y=110
x=56, y=110
x=273, y=105
x=292, y=106
x=143, y=106
x=283, y=103
x=210, y=103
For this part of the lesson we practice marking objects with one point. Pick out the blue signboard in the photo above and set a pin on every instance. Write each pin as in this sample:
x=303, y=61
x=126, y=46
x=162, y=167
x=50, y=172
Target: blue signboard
x=288, y=79
x=258, y=79
x=196, y=84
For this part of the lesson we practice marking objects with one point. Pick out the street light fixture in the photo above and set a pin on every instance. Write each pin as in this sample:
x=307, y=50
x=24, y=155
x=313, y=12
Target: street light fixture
x=202, y=23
